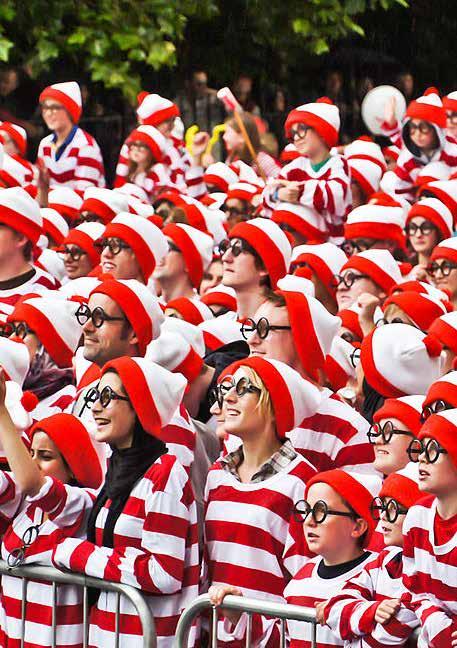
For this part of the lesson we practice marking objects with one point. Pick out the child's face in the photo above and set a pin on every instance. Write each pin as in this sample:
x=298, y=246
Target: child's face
x=310, y=144
x=330, y=538
x=392, y=456
x=438, y=478
x=422, y=134
x=392, y=531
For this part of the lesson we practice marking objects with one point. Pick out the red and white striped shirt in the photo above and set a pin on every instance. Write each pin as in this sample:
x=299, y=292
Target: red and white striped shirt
x=350, y=614
x=334, y=437
x=60, y=511
x=430, y=572
x=326, y=190
x=155, y=549
x=41, y=282
x=154, y=182
x=246, y=534
x=79, y=166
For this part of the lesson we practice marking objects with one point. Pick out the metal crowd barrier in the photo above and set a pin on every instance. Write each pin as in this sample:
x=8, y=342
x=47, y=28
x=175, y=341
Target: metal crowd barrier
x=281, y=611
x=56, y=577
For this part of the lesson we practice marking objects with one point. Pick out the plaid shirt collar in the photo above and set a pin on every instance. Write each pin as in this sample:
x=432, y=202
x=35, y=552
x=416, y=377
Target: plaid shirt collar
x=275, y=464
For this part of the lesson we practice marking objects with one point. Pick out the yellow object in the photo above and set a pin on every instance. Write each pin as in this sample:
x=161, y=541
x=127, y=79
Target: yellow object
x=189, y=137
x=215, y=137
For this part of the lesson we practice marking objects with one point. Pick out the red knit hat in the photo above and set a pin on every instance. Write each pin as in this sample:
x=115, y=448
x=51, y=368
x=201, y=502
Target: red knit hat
x=350, y=320
x=66, y=201
x=17, y=134
x=75, y=446
x=402, y=486
x=220, y=175
x=313, y=329
x=429, y=108
x=68, y=94
x=376, y=222
x=139, y=305
x=434, y=211
x=445, y=329
x=192, y=334
x=204, y=219
x=54, y=322
x=191, y=310
x=293, y=398
x=308, y=222
x=173, y=352
x=407, y=409
x=446, y=249
x=325, y=260
x=398, y=359
x=379, y=265
x=270, y=243
x=289, y=153
x=146, y=240
x=357, y=490
x=445, y=389
x=366, y=164
x=431, y=172
x=422, y=309
x=443, y=428
x=85, y=236
x=154, y=109
x=15, y=172
x=444, y=190
x=195, y=246
x=154, y=392
x=54, y=225
x=421, y=287
x=322, y=115
x=242, y=191
x=221, y=296
x=152, y=138
x=20, y=212
x=220, y=331
x=105, y=203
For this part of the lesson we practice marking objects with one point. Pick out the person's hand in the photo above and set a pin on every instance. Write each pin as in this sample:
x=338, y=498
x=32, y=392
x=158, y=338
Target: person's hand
x=217, y=593
x=390, y=118
x=199, y=144
x=420, y=272
x=386, y=610
x=454, y=638
x=2, y=387
x=290, y=192
x=367, y=304
x=320, y=607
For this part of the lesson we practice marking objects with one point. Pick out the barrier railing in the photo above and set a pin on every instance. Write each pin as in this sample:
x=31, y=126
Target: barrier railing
x=56, y=577
x=281, y=611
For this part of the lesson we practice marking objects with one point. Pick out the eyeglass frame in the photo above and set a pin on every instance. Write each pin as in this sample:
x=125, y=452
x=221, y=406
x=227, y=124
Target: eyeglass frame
x=18, y=554
x=431, y=227
x=450, y=266
x=237, y=246
x=94, y=395
x=424, y=449
x=355, y=247
x=75, y=253
x=384, y=507
x=19, y=329
x=114, y=244
x=301, y=516
x=301, y=130
x=90, y=316
x=255, y=328
x=431, y=409
x=339, y=279
x=423, y=126
x=383, y=434
x=222, y=389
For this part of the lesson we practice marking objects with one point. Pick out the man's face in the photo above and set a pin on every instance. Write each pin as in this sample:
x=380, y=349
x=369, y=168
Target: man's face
x=278, y=344
x=10, y=243
x=199, y=82
x=240, y=272
x=122, y=264
x=172, y=265
x=8, y=82
x=112, y=339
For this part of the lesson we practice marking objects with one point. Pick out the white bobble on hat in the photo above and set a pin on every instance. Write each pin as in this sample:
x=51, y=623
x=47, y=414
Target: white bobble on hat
x=14, y=359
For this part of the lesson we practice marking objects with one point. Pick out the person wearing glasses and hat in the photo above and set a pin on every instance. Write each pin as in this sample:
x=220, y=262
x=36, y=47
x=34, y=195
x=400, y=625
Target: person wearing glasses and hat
x=442, y=268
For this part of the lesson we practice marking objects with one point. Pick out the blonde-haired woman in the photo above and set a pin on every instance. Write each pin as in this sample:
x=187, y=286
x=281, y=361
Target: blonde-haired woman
x=250, y=492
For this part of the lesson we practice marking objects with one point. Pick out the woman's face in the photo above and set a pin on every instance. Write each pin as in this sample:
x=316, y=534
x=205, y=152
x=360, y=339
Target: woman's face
x=448, y=282
x=233, y=140
x=140, y=153
x=115, y=422
x=392, y=456
x=242, y=416
x=79, y=267
x=346, y=297
x=422, y=134
x=420, y=242
x=47, y=457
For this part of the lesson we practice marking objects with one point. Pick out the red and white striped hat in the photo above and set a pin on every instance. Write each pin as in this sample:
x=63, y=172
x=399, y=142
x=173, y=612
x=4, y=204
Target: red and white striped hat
x=429, y=107
x=443, y=428
x=68, y=94
x=350, y=320
x=434, y=211
x=407, y=409
x=289, y=153
x=80, y=288
x=176, y=354
x=146, y=240
x=54, y=225
x=154, y=140
x=402, y=485
x=15, y=171
x=247, y=174
x=154, y=392
x=195, y=246
x=432, y=171
x=379, y=265
x=422, y=309
x=139, y=305
x=444, y=190
x=293, y=398
x=66, y=201
x=421, y=287
x=446, y=249
x=191, y=310
x=399, y=359
x=242, y=191
x=297, y=283
x=85, y=236
x=270, y=243
x=105, y=203
x=377, y=222
x=188, y=331
x=366, y=164
x=220, y=175
x=308, y=222
x=450, y=102
x=322, y=115
x=54, y=322
x=338, y=365
x=313, y=329
x=154, y=109
x=17, y=134
x=326, y=260
x=364, y=148
x=391, y=152
x=204, y=219
x=14, y=360
x=132, y=190
x=445, y=389
x=221, y=295
x=220, y=331
x=20, y=212
x=445, y=329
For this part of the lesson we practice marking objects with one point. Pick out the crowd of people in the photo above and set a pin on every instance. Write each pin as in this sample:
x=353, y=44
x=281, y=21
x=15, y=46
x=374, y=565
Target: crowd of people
x=232, y=377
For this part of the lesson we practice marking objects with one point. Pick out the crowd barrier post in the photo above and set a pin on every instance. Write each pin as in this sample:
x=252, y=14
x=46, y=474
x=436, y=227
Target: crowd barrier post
x=56, y=578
